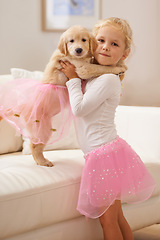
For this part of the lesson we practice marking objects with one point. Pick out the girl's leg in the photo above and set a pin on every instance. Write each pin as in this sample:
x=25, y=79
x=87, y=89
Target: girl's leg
x=114, y=224
x=123, y=224
x=110, y=223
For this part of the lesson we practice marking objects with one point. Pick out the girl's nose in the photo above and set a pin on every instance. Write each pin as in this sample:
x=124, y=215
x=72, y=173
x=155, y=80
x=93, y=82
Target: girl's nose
x=106, y=47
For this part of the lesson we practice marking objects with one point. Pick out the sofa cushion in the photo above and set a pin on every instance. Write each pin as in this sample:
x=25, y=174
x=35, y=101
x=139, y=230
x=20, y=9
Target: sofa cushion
x=5, y=78
x=23, y=73
x=9, y=140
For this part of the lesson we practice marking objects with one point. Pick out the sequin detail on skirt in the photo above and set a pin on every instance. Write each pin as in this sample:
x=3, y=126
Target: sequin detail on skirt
x=113, y=172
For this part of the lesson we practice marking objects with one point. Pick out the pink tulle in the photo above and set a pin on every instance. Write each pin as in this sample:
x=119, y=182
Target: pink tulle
x=38, y=111
x=113, y=172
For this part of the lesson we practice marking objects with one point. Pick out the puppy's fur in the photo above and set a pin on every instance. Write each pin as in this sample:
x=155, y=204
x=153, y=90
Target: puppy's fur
x=77, y=46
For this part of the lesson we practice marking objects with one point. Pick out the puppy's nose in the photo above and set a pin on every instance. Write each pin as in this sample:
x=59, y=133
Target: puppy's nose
x=78, y=50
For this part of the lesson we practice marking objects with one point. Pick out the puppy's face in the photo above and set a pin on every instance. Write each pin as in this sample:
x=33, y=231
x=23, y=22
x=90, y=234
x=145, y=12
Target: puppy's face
x=77, y=42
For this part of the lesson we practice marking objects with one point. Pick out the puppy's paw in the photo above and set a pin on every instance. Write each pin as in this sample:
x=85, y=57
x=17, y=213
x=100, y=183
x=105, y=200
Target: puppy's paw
x=47, y=163
x=44, y=162
x=120, y=69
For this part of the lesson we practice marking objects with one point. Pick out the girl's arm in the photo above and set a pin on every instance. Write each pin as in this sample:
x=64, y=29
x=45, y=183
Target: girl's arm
x=101, y=89
x=89, y=70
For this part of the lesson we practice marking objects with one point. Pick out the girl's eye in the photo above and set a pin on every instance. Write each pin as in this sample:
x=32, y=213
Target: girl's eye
x=71, y=40
x=114, y=44
x=100, y=40
x=83, y=40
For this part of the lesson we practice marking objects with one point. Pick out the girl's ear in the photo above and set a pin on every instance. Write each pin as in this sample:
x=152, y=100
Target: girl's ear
x=126, y=53
x=62, y=46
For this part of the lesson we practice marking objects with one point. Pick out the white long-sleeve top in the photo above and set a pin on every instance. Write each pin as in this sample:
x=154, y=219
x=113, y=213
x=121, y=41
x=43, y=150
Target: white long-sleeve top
x=94, y=109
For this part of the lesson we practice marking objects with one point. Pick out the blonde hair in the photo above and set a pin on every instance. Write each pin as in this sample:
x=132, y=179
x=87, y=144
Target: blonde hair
x=121, y=25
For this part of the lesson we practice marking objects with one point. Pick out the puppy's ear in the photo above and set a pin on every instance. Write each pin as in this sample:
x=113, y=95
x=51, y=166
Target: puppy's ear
x=93, y=44
x=62, y=46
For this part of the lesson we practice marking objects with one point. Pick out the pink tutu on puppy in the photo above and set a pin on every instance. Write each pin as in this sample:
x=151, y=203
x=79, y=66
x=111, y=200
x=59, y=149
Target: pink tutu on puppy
x=113, y=172
x=32, y=105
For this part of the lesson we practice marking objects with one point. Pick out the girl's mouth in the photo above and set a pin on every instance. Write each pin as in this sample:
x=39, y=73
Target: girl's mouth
x=105, y=55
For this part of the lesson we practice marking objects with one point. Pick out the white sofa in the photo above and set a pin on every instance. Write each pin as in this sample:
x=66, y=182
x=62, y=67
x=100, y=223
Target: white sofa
x=39, y=203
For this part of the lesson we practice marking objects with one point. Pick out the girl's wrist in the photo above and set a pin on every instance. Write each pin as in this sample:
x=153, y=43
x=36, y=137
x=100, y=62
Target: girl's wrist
x=73, y=76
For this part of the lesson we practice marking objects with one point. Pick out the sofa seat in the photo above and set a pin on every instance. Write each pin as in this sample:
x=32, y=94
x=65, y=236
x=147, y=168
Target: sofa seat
x=40, y=195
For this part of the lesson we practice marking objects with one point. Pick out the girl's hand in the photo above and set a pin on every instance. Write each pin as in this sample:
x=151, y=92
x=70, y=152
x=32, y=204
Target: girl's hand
x=68, y=69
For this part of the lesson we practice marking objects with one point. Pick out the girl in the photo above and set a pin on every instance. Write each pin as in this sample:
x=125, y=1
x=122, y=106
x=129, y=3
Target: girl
x=113, y=172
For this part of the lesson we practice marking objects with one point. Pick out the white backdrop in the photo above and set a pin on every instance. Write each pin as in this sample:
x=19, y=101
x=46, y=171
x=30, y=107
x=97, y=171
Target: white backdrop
x=23, y=44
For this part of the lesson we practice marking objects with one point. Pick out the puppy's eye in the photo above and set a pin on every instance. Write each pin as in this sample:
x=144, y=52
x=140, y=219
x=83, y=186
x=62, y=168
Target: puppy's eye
x=83, y=40
x=71, y=40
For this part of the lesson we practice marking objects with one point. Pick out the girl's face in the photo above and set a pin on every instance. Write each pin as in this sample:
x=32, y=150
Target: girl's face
x=111, y=46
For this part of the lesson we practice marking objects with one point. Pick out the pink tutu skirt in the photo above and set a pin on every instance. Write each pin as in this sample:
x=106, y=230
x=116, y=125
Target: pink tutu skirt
x=32, y=108
x=113, y=172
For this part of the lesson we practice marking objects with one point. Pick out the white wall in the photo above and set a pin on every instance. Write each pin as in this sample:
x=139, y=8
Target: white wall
x=24, y=45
